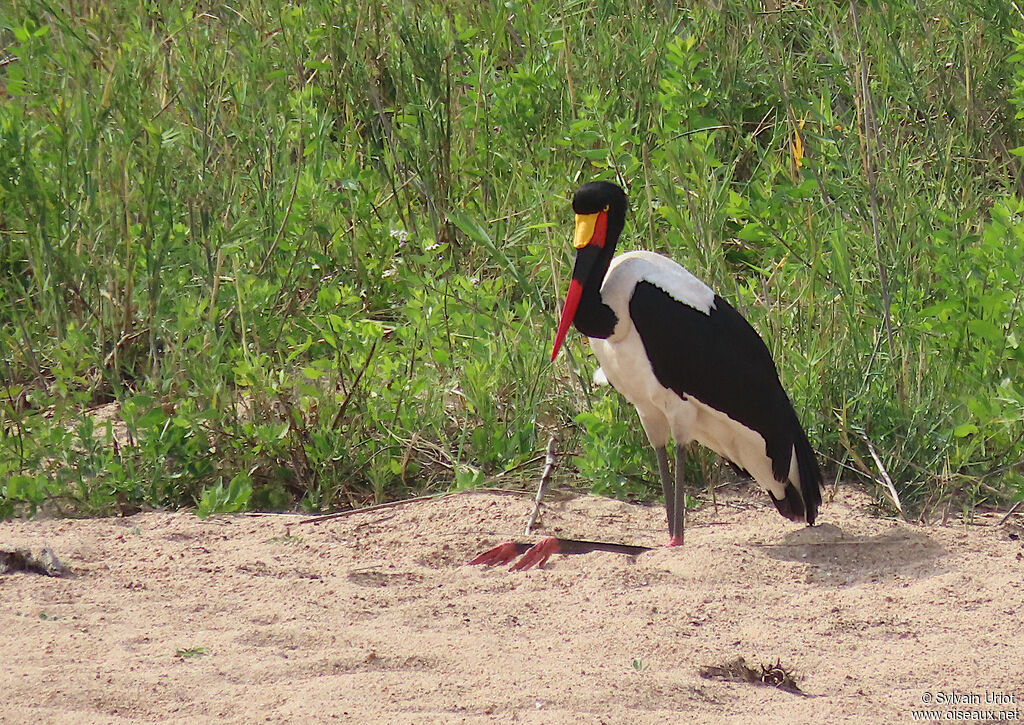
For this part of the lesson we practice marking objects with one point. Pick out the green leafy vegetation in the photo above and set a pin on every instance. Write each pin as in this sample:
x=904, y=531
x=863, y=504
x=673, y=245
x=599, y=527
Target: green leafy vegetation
x=190, y=653
x=314, y=250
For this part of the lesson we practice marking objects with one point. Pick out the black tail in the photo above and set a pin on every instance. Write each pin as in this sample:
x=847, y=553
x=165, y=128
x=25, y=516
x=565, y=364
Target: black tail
x=802, y=505
x=810, y=477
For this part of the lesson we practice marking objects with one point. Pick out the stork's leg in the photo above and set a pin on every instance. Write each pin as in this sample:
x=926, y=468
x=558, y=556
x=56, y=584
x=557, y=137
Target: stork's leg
x=668, y=487
x=676, y=526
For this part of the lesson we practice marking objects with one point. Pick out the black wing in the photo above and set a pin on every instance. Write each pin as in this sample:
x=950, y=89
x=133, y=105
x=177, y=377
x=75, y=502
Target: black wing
x=720, y=360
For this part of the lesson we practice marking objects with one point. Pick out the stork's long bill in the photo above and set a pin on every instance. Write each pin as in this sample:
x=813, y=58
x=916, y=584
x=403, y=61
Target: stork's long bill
x=591, y=233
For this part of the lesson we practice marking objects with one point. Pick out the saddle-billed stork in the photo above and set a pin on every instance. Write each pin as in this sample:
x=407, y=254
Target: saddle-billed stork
x=691, y=364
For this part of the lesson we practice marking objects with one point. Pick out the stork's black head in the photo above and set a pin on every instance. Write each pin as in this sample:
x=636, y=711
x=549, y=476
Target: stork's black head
x=599, y=196
x=600, y=208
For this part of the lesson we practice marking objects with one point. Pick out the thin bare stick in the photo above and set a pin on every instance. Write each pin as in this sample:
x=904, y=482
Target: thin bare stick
x=408, y=454
x=524, y=464
x=284, y=222
x=550, y=459
x=545, y=477
x=355, y=383
x=1010, y=513
x=366, y=509
x=890, y=487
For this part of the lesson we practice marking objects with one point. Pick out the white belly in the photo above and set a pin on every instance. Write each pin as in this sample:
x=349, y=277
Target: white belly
x=665, y=415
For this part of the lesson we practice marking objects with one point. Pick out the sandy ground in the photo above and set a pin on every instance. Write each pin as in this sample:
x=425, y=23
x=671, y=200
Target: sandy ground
x=373, y=618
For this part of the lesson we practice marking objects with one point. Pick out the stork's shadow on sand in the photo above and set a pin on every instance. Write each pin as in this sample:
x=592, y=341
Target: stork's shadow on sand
x=839, y=558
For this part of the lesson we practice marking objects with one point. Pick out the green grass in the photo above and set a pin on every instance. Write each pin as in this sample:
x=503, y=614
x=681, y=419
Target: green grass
x=316, y=251
x=190, y=653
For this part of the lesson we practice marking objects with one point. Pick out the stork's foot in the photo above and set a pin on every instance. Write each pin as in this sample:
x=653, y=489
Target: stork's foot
x=675, y=540
x=538, y=554
x=501, y=554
